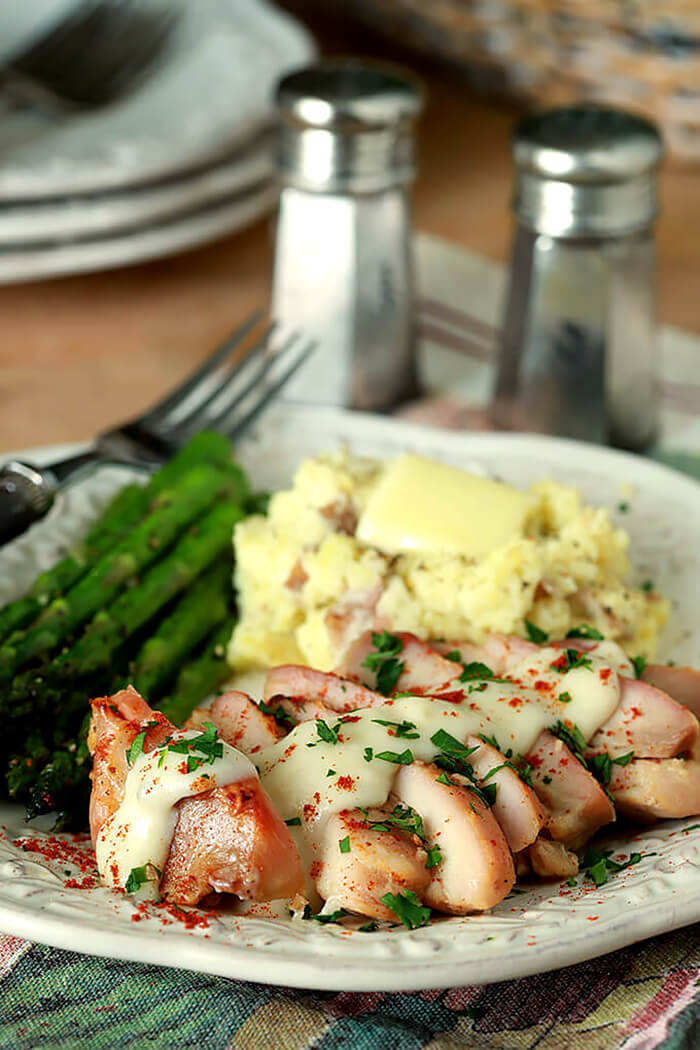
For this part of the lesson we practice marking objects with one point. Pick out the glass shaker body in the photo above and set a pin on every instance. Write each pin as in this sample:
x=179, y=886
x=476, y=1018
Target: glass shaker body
x=343, y=275
x=343, y=271
x=578, y=347
x=578, y=337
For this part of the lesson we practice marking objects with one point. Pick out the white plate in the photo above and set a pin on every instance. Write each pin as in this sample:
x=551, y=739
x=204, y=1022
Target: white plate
x=541, y=929
x=39, y=225
x=176, y=233
x=213, y=89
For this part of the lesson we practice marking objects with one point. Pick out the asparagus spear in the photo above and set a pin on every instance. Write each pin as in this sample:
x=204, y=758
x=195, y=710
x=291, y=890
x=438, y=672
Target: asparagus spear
x=208, y=538
x=199, y=489
x=200, y=677
x=199, y=610
x=124, y=511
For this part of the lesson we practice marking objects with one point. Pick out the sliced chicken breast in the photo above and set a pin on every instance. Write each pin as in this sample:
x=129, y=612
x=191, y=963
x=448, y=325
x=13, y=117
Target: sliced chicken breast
x=516, y=806
x=682, y=683
x=239, y=721
x=371, y=864
x=499, y=652
x=552, y=860
x=648, y=722
x=476, y=870
x=650, y=789
x=575, y=803
x=303, y=683
x=228, y=839
x=423, y=667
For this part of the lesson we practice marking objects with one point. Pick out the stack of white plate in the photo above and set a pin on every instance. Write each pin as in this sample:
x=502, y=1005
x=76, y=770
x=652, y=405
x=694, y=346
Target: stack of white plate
x=185, y=158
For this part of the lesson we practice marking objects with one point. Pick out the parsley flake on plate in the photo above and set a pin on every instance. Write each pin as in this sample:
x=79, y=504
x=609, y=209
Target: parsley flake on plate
x=407, y=909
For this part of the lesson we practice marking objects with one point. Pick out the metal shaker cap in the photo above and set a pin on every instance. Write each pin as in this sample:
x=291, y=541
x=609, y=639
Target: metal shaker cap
x=347, y=126
x=586, y=171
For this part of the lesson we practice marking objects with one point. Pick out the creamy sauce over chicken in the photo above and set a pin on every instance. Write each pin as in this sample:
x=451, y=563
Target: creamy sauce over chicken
x=310, y=777
x=139, y=834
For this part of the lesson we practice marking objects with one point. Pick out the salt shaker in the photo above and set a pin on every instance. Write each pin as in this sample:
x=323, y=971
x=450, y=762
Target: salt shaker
x=343, y=271
x=578, y=340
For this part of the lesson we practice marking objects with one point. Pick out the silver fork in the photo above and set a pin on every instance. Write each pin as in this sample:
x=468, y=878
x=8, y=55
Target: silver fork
x=98, y=51
x=226, y=393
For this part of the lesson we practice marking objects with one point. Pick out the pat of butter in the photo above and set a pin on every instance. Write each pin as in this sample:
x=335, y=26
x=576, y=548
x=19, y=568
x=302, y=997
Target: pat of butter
x=421, y=505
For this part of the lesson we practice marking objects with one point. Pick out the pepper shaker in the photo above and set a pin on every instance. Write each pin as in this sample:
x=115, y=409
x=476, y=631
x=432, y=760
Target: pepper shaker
x=343, y=269
x=578, y=340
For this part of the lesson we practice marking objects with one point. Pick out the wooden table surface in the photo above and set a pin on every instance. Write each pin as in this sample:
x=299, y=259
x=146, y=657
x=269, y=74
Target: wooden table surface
x=79, y=353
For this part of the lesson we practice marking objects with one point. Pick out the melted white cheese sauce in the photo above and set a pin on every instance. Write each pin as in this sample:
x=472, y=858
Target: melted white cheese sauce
x=310, y=779
x=140, y=832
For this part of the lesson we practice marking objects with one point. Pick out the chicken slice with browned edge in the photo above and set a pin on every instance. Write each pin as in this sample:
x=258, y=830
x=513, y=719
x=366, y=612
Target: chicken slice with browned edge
x=475, y=870
x=226, y=840
x=362, y=858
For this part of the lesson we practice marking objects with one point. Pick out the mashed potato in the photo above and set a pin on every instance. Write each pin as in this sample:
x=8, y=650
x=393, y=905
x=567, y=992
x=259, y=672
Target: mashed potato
x=307, y=586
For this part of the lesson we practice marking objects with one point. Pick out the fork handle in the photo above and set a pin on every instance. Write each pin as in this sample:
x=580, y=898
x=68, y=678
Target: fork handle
x=27, y=491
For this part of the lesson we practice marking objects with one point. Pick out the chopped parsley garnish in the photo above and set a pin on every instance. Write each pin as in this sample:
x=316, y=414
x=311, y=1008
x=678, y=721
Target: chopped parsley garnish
x=564, y=698
x=434, y=856
x=404, y=759
x=584, y=630
x=331, y=773
x=601, y=767
x=402, y=817
x=201, y=750
x=279, y=714
x=384, y=663
x=293, y=822
x=489, y=740
x=598, y=865
x=455, y=656
x=136, y=748
x=623, y=760
x=331, y=917
x=453, y=757
x=569, y=660
x=639, y=663
x=449, y=745
x=327, y=733
x=535, y=633
x=139, y=876
x=571, y=881
x=407, y=909
x=444, y=779
x=547, y=779
x=344, y=844
x=476, y=670
x=623, y=507
x=572, y=737
x=406, y=730
x=368, y=755
x=369, y=927
x=648, y=586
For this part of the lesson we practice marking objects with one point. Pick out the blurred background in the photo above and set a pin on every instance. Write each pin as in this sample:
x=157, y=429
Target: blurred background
x=136, y=230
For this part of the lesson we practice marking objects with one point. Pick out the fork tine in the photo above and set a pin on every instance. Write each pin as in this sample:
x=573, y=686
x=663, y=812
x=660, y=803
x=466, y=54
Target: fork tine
x=155, y=416
x=231, y=426
x=228, y=382
x=235, y=388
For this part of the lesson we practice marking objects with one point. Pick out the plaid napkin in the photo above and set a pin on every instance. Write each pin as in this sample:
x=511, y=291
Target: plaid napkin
x=642, y=997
